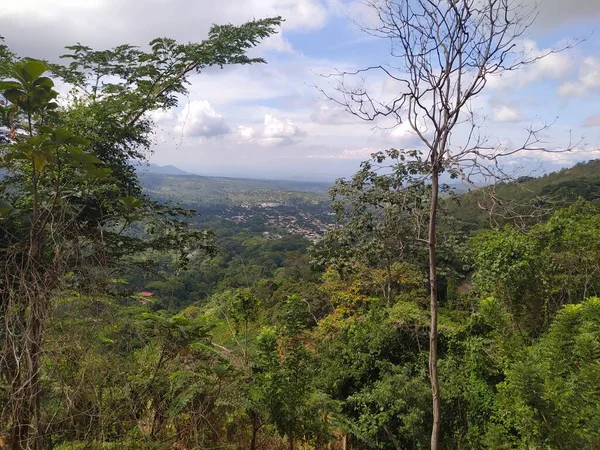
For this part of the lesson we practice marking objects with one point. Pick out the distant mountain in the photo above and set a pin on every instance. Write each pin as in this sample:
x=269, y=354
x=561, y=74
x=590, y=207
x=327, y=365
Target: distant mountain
x=202, y=190
x=163, y=170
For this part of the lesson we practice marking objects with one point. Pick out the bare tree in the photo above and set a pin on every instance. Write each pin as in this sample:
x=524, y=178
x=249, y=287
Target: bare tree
x=444, y=53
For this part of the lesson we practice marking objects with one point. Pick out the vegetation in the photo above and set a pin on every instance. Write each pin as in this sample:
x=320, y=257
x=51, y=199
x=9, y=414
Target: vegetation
x=443, y=54
x=279, y=318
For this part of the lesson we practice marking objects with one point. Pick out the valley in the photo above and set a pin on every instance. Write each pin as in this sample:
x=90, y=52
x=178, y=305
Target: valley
x=271, y=208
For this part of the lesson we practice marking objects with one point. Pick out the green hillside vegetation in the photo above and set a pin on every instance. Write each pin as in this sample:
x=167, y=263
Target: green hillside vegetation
x=531, y=198
x=172, y=312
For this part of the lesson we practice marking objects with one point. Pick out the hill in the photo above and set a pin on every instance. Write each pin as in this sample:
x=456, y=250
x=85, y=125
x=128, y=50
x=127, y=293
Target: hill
x=531, y=198
x=209, y=191
x=280, y=204
x=156, y=169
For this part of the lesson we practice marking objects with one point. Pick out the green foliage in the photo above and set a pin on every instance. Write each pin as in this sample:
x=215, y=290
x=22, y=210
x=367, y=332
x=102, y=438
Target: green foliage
x=69, y=197
x=381, y=210
x=537, y=272
x=383, y=214
x=551, y=396
x=119, y=333
x=115, y=90
x=528, y=200
x=284, y=376
x=371, y=362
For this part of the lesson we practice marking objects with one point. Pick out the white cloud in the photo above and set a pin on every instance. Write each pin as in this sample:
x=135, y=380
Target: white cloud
x=307, y=14
x=589, y=79
x=273, y=131
x=41, y=28
x=359, y=154
x=279, y=43
x=162, y=116
x=403, y=136
x=48, y=9
x=506, y=114
x=550, y=66
x=551, y=13
x=275, y=128
x=275, y=104
x=199, y=119
x=555, y=13
x=331, y=114
x=246, y=133
x=592, y=121
x=358, y=11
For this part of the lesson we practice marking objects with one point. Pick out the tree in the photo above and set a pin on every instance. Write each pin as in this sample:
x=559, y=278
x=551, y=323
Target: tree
x=371, y=364
x=283, y=371
x=380, y=221
x=69, y=189
x=444, y=54
x=115, y=90
x=46, y=168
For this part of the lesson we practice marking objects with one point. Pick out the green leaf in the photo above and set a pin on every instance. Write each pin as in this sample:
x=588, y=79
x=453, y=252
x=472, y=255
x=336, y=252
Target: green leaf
x=62, y=136
x=97, y=172
x=5, y=208
x=131, y=202
x=40, y=161
x=5, y=85
x=15, y=96
x=88, y=158
x=44, y=82
x=33, y=69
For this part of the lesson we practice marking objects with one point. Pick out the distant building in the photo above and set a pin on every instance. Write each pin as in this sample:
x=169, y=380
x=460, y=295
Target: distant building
x=146, y=294
x=144, y=297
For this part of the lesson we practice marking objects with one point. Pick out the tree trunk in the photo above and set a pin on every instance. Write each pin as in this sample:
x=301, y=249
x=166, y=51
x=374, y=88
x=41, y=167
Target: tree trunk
x=433, y=330
x=26, y=395
x=255, y=428
x=34, y=386
x=26, y=388
x=389, y=279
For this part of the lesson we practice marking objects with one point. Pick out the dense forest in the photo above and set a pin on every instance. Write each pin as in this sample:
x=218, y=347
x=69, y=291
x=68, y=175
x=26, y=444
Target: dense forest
x=145, y=311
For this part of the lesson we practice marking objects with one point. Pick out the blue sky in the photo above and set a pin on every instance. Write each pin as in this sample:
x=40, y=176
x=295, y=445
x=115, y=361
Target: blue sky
x=269, y=121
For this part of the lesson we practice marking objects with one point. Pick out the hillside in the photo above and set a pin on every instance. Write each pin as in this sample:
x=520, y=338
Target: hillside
x=535, y=197
x=145, y=307
x=275, y=208
x=206, y=191
x=281, y=205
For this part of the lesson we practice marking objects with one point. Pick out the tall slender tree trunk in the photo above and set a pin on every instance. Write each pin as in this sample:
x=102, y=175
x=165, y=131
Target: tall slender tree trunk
x=433, y=330
x=34, y=383
x=388, y=266
x=255, y=428
x=26, y=387
x=26, y=398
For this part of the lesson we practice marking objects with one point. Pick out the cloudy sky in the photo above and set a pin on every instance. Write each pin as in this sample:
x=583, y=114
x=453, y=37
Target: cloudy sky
x=269, y=120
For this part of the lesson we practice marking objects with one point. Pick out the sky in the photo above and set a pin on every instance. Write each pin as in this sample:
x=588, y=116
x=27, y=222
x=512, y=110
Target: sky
x=270, y=121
